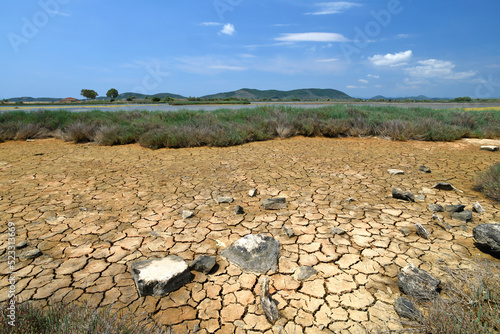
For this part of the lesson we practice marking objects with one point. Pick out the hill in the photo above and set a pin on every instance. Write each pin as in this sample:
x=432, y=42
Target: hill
x=408, y=98
x=32, y=99
x=310, y=94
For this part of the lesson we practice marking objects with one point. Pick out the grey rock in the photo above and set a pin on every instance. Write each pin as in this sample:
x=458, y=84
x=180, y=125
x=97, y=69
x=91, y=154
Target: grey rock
x=254, y=253
x=22, y=244
x=31, y=254
x=395, y=171
x=490, y=148
x=417, y=283
x=443, y=186
x=274, y=203
x=465, y=216
x=304, y=272
x=422, y=231
x=477, y=207
x=455, y=208
x=238, y=210
x=338, y=231
x=187, y=214
x=203, y=264
x=268, y=305
x=252, y=192
x=225, y=200
x=406, y=309
x=350, y=200
x=403, y=194
x=488, y=235
x=157, y=277
x=406, y=232
x=420, y=198
x=424, y=169
x=436, y=208
x=445, y=226
x=288, y=231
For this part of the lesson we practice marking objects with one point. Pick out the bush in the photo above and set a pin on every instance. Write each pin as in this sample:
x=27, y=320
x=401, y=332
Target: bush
x=471, y=302
x=156, y=99
x=72, y=319
x=488, y=182
x=80, y=132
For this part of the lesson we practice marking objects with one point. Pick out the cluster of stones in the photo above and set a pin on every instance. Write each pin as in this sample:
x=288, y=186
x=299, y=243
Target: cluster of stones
x=342, y=236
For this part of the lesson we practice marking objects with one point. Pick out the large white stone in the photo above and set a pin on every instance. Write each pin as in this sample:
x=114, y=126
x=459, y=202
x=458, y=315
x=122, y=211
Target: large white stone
x=158, y=277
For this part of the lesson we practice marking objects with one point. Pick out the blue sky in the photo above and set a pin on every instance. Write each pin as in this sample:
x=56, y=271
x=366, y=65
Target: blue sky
x=364, y=48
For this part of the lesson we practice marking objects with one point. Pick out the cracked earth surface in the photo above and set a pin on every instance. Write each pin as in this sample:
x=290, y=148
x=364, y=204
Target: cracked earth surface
x=93, y=210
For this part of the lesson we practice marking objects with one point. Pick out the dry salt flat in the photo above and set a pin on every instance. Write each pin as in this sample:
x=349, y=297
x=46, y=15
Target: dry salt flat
x=88, y=212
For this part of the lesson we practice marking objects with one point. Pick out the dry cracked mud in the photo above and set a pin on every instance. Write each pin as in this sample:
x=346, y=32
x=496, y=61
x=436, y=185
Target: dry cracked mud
x=93, y=210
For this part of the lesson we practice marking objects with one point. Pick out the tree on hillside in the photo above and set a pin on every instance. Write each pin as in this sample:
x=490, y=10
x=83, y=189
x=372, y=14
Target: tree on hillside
x=89, y=93
x=112, y=93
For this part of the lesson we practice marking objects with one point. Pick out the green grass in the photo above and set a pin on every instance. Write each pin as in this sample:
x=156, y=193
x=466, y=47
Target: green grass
x=226, y=127
x=488, y=182
x=73, y=319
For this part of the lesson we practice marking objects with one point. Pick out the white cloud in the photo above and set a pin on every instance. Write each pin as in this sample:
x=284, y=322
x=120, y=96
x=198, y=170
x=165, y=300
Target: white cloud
x=228, y=29
x=226, y=67
x=355, y=87
x=312, y=37
x=327, y=60
x=391, y=59
x=326, y=8
x=434, y=68
x=211, y=24
x=373, y=76
x=363, y=81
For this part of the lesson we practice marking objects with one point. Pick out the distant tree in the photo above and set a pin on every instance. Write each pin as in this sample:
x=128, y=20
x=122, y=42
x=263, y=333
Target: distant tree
x=112, y=93
x=89, y=93
x=155, y=99
x=168, y=99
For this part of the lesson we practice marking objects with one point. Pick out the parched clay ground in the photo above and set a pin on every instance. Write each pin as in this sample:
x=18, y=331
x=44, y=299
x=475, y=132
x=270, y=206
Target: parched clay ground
x=93, y=210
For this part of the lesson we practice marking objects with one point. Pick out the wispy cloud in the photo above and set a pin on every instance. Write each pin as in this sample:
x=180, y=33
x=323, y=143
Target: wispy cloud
x=373, y=76
x=226, y=67
x=228, y=29
x=327, y=8
x=312, y=37
x=363, y=81
x=391, y=59
x=434, y=68
x=327, y=60
x=211, y=24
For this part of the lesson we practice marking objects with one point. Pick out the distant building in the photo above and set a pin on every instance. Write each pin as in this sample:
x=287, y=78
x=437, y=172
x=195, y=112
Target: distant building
x=69, y=100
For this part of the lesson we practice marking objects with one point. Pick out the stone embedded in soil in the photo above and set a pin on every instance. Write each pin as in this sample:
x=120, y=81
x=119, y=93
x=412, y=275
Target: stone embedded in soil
x=238, y=210
x=288, y=231
x=424, y=169
x=478, y=207
x=488, y=235
x=406, y=309
x=455, y=208
x=395, y=171
x=490, y=148
x=417, y=283
x=254, y=253
x=221, y=200
x=304, y=272
x=157, y=277
x=278, y=203
x=31, y=254
x=443, y=186
x=187, y=214
x=267, y=303
x=436, y=208
x=252, y=192
x=465, y=216
x=203, y=264
x=337, y=231
x=404, y=195
x=422, y=231
x=22, y=244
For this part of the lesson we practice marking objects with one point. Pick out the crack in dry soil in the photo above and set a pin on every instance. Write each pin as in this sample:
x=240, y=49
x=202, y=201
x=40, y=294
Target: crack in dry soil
x=92, y=210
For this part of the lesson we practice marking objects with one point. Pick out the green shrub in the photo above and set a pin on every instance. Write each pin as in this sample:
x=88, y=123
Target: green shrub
x=72, y=319
x=80, y=132
x=156, y=99
x=488, y=182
